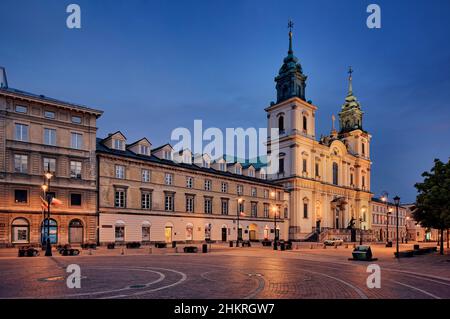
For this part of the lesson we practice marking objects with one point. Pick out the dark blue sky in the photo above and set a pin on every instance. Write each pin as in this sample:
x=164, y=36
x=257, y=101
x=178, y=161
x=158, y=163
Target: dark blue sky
x=156, y=65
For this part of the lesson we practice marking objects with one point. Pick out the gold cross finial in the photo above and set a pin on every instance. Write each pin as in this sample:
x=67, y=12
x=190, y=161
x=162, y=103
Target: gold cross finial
x=290, y=25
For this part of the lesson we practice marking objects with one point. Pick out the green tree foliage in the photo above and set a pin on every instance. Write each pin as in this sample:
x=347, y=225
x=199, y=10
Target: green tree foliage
x=432, y=207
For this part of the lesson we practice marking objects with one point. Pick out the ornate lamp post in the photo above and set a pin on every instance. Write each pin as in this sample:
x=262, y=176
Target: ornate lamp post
x=275, y=211
x=45, y=187
x=397, y=203
x=406, y=229
x=238, y=223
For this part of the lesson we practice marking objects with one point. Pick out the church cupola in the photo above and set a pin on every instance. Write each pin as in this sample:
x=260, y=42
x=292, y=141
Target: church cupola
x=350, y=116
x=291, y=81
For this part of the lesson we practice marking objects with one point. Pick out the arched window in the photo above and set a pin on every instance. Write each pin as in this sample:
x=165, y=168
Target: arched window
x=53, y=231
x=20, y=230
x=335, y=173
x=363, y=149
x=281, y=123
x=305, y=123
x=75, y=231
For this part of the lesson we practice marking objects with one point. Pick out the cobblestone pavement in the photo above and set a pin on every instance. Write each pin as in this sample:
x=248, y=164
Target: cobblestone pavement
x=242, y=273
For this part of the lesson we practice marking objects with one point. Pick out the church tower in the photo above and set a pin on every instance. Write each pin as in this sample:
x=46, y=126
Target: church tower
x=350, y=117
x=291, y=81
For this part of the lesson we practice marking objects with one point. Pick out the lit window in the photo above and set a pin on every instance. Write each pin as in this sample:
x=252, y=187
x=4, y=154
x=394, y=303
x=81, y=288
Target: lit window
x=49, y=164
x=189, y=182
x=207, y=185
x=120, y=171
x=145, y=175
x=169, y=179
x=75, y=169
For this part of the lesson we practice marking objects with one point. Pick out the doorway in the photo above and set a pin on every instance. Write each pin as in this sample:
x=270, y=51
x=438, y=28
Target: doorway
x=224, y=234
x=75, y=231
x=168, y=234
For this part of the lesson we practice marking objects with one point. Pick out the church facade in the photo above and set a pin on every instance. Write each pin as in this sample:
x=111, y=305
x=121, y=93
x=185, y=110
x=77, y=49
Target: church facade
x=328, y=179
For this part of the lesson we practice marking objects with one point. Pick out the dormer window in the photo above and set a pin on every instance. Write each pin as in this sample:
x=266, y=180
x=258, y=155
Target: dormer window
x=222, y=167
x=238, y=170
x=187, y=158
x=251, y=173
x=263, y=175
x=167, y=155
x=119, y=144
x=144, y=150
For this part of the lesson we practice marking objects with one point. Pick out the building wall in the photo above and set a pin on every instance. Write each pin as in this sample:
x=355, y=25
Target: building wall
x=32, y=178
x=379, y=222
x=133, y=215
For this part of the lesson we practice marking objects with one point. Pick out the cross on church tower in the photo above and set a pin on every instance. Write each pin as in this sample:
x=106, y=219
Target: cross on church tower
x=290, y=26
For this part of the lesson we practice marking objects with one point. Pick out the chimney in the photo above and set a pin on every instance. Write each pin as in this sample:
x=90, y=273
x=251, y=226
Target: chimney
x=3, y=79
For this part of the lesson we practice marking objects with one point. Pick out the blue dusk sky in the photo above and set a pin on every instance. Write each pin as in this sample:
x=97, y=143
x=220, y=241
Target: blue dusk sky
x=153, y=66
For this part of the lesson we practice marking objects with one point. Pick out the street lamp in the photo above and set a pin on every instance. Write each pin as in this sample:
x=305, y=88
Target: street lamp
x=238, y=215
x=397, y=203
x=275, y=210
x=384, y=198
x=45, y=187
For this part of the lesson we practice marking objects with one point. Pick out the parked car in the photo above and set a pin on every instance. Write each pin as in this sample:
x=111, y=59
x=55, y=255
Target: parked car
x=333, y=242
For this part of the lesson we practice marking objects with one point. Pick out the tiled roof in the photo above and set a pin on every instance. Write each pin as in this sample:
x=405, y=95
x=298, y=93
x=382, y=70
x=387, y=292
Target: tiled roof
x=101, y=148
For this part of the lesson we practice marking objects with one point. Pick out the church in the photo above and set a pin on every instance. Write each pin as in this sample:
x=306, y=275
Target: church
x=328, y=178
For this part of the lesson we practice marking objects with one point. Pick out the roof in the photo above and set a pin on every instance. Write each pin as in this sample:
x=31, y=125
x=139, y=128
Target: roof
x=47, y=99
x=160, y=147
x=102, y=149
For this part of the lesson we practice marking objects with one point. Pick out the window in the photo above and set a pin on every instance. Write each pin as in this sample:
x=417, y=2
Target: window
x=189, y=182
x=75, y=199
x=145, y=233
x=240, y=189
x=169, y=202
x=254, y=209
x=208, y=205
x=286, y=213
x=167, y=155
x=49, y=136
x=146, y=200
x=266, y=210
x=304, y=165
x=240, y=208
x=21, y=109
x=120, y=171
x=224, y=187
x=75, y=169
x=20, y=196
x=205, y=163
x=120, y=198
x=305, y=124
x=21, y=132
x=119, y=144
x=305, y=210
x=238, y=170
x=49, y=164
x=20, y=229
x=189, y=203
x=351, y=179
x=145, y=150
x=363, y=182
x=222, y=167
x=145, y=175
x=251, y=173
x=76, y=141
x=224, y=206
x=76, y=119
x=363, y=149
x=317, y=170
x=254, y=192
x=207, y=185
x=49, y=114
x=281, y=124
x=266, y=193
x=335, y=173
x=262, y=175
x=20, y=163
x=168, y=179
x=281, y=166
x=119, y=233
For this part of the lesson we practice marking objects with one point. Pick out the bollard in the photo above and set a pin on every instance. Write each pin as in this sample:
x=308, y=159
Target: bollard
x=335, y=246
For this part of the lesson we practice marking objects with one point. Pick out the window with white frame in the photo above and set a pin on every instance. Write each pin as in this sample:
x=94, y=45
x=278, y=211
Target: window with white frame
x=224, y=206
x=207, y=184
x=49, y=114
x=266, y=193
x=21, y=132
x=240, y=189
x=238, y=170
x=190, y=203
x=168, y=179
x=49, y=164
x=120, y=171
x=146, y=200
x=20, y=163
x=144, y=150
x=254, y=209
x=254, y=192
x=251, y=173
x=223, y=167
x=167, y=155
x=208, y=205
x=75, y=169
x=145, y=175
x=76, y=140
x=21, y=109
x=266, y=210
x=224, y=187
x=169, y=202
x=76, y=119
x=189, y=182
x=120, y=198
x=119, y=144
x=49, y=136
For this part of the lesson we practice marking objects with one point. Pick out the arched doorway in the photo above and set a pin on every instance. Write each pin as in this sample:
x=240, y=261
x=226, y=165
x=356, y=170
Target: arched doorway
x=53, y=231
x=252, y=232
x=20, y=231
x=76, y=231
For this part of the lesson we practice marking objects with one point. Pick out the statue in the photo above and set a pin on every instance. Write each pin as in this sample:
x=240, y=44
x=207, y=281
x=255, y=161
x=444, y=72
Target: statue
x=351, y=224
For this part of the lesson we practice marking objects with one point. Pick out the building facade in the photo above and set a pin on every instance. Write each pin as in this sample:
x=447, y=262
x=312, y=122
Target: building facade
x=328, y=179
x=384, y=221
x=149, y=195
x=37, y=134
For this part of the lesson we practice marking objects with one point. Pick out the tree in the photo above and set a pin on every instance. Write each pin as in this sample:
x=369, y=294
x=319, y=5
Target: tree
x=432, y=208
